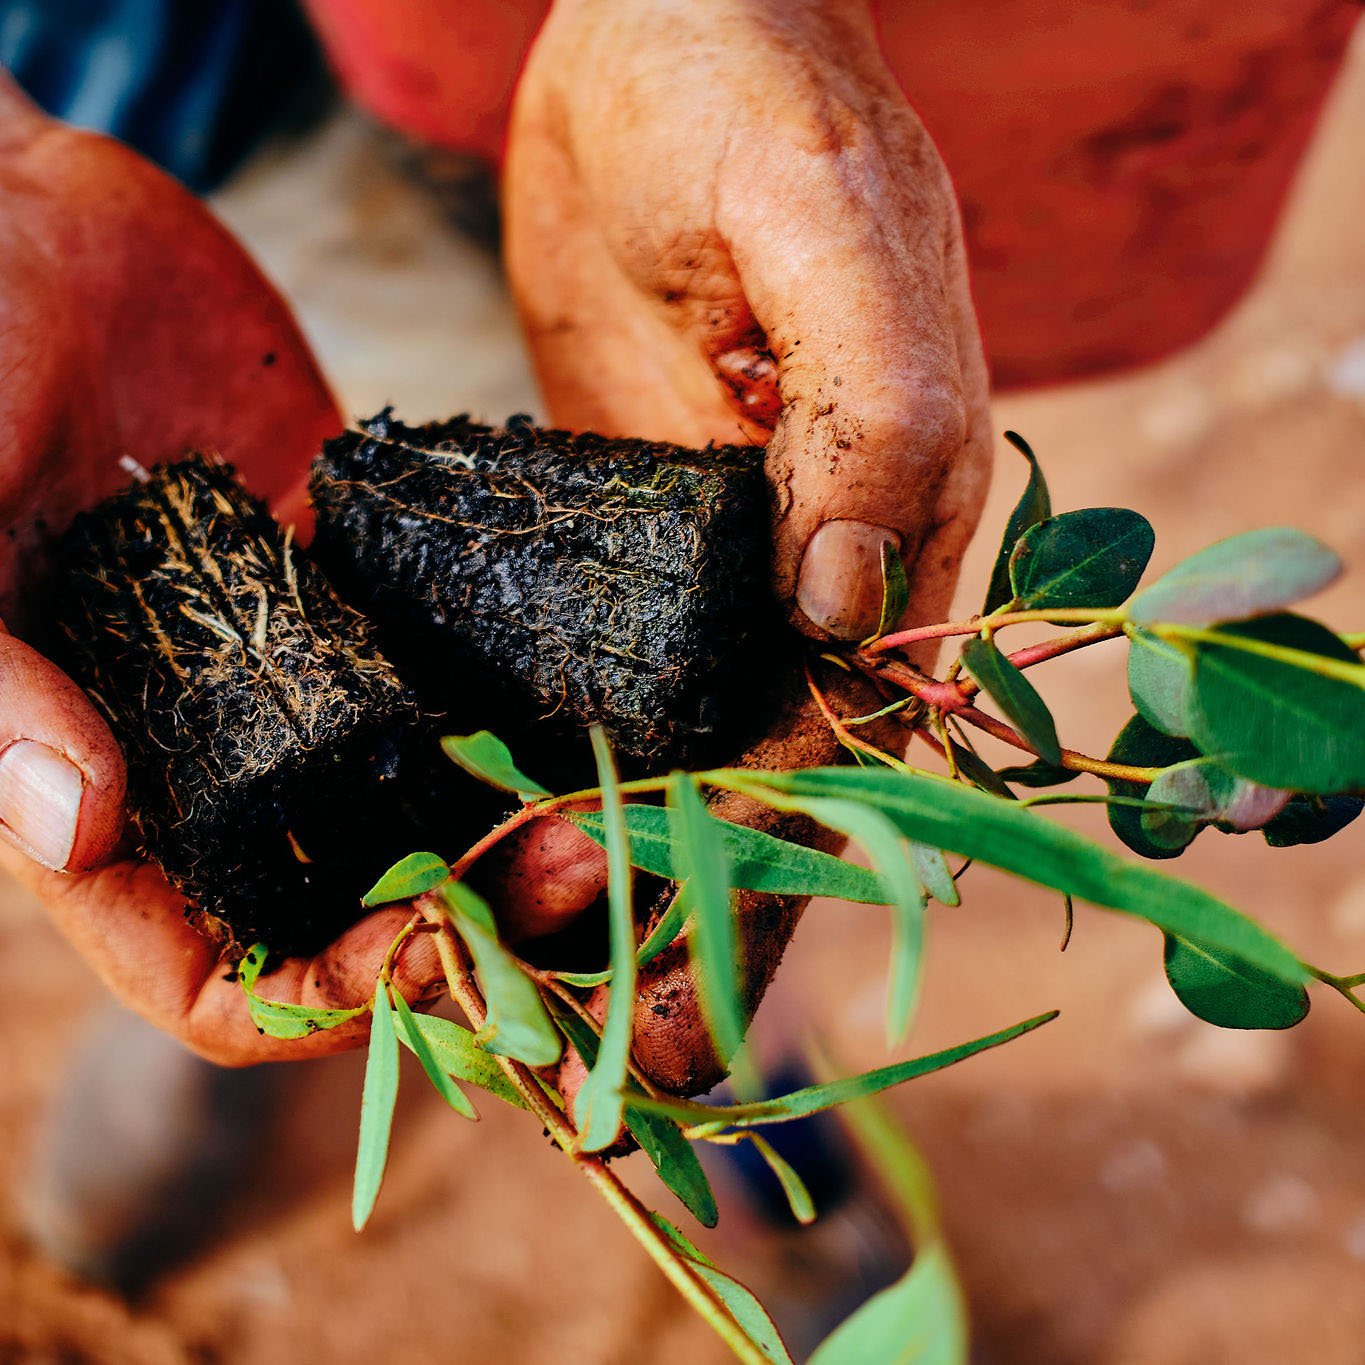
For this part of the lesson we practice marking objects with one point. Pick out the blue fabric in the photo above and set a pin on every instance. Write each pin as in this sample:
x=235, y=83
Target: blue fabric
x=193, y=84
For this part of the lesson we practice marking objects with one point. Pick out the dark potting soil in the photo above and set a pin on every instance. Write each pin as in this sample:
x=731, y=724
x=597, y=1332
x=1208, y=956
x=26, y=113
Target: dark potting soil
x=277, y=763
x=542, y=581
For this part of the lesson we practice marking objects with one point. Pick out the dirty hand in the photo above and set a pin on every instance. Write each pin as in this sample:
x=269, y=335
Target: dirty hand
x=130, y=324
x=725, y=223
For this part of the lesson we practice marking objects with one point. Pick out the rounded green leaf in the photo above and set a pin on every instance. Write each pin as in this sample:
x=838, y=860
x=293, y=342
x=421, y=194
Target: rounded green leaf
x=1142, y=745
x=1245, y=575
x=1220, y=988
x=1276, y=722
x=1160, y=682
x=1091, y=558
x=1179, y=805
x=1311, y=819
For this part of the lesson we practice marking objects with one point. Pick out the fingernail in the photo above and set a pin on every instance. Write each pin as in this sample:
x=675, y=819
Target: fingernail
x=40, y=801
x=840, y=587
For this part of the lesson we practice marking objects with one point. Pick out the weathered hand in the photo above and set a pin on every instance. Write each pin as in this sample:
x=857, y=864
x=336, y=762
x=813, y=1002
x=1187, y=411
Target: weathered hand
x=724, y=222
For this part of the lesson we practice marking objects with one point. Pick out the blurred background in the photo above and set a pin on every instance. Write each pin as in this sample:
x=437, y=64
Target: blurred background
x=1129, y=1185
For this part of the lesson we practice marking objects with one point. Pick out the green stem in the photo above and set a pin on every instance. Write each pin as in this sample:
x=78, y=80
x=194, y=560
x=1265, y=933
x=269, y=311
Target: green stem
x=1341, y=984
x=464, y=991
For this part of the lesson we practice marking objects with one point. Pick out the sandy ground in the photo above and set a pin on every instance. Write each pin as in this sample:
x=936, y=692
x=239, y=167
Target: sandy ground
x=1127, y=1187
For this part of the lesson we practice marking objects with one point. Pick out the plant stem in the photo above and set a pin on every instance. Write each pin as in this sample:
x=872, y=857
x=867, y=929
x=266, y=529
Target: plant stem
x=1052, y=649
x=465, y=993
x=1337, y=669
x=1341, y=984
x=901, y=638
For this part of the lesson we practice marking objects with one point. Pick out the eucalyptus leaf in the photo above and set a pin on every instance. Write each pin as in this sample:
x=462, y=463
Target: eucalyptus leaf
x=597, y=1109
x=953, y=817
x=412, y=876
x=746, y=1310
x=1015, y=696
x=798, y=1196
x=1180, y=805
x=1223, y=989
x=977, y=771
x=517, y=1024
x=1141, y=745
x=1039, y=774
x=812, y=1099
x=278, y=1020
x=1034, y=505
x=458, y=1054
x=934, y=874
x=376, y=1110
x=411, y=1036
x=713, y=943
x=1091, y=558
x=1275, y=722
x=895, y=592
x=1160, y=682
x=486, y=757
x=758, y=861
x=1311, y=819
x=1245, y=575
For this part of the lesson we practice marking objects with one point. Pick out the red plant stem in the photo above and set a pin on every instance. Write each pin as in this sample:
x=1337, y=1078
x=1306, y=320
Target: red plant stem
x=973, y=627
x=1051, y=649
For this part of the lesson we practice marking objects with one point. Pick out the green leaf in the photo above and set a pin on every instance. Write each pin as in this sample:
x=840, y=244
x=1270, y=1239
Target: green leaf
x=458, y=1054
x=376, y=1109
x=517, y=1024
x=1015, y=696
x=895, y=592
x=1277, y=723
x=758, y=861
x=1255, y=572
x=1034, y=505
x=1311, y=819
x=412, y=876
x=713, y=943
x=1160, y=682
x=486, y=757
x=597, y=1110
x=1142, y=746
x=1222, y=989
x=1091, y=558
x=277, y=1019
x=919, y=1320
x=972, y=766
x=893, y=861
x=798, y=1196
x=1181, y=804
x=671, y=1153
x=1039, y=774
x=411, y=1036
x=814, y=1098
x=934, y=874
x=956, y=818
x=743, y=1306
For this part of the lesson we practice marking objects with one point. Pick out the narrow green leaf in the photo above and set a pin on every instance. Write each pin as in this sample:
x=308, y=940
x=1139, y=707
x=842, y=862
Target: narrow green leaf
x=660, y=1140
x=758, y=861
x=798, y=1196
x=1222, y=989
x=597, y=1109
x=1247, y=574
x=1015, y=696
x=486, y=757
x=814, y=1098
x=1091, y=558
x=919, y=1320
x=1311, y=819
x=746, y=1310
x=951, y=816
x=1143, y=746
x=277, y=1019
x=713, y=943
x=458, y=1054
x=1039, y=774
x=1276, y=723
x=517, y=1024
x=895, y=592
x=1160, y=682
x=412, y=876
x=1034, y=505
x=977, y=771
x=411, y=1036
x=376, y=1109
x=934, y=874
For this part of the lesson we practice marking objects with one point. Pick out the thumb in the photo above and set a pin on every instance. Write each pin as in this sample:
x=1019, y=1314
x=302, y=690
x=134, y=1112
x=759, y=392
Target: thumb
x=62, y=778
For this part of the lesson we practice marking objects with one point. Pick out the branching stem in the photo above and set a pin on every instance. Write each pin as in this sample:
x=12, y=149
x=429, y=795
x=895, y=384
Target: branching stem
x=1063, y=615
